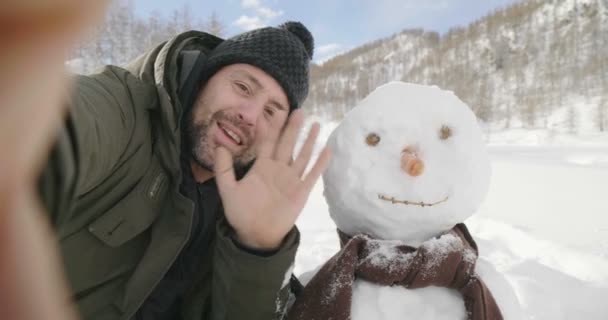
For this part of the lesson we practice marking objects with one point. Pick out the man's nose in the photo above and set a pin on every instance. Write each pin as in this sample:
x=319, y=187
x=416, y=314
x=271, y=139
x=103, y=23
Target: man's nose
x=249, y=111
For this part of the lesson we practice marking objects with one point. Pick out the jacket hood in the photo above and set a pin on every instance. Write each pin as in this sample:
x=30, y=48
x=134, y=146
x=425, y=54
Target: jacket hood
x=164, y=67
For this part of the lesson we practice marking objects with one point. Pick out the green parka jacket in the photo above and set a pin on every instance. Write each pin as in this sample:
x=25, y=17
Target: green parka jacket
x=111, y=187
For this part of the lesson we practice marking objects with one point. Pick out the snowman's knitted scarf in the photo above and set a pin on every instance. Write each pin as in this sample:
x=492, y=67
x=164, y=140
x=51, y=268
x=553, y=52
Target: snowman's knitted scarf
x=446, y=261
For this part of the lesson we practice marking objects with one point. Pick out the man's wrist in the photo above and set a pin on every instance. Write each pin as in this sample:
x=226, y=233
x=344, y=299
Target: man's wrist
x=256, y=245
x=254, y=251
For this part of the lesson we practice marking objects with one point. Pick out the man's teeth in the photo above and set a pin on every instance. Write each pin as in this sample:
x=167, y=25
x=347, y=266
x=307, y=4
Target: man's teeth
x=232, y=135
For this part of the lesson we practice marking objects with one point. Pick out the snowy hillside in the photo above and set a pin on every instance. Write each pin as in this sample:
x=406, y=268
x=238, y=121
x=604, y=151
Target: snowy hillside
x=536, y=64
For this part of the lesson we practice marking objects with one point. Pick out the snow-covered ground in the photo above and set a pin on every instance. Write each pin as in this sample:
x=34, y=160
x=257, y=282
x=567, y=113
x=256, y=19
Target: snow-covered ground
x=544, y=223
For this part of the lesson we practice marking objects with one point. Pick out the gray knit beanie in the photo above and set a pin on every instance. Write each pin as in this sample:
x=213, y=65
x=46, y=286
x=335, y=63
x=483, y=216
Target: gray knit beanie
x=283, y=52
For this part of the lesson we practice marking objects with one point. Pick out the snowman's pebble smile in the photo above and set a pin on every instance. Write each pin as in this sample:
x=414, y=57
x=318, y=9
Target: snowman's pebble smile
x=406, y=202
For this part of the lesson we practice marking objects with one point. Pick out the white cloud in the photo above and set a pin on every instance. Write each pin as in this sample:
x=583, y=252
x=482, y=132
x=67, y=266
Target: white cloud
x=249, y=23
x=328, y=48
x=261, y=15
x=328, y=51
x=247, y=4
x=269, y=13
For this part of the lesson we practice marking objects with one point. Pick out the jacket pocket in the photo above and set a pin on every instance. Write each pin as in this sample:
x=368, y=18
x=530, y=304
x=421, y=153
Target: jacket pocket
x=134, y=213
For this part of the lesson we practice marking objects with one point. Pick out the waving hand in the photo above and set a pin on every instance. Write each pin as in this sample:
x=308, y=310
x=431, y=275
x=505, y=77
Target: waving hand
x=264, y=205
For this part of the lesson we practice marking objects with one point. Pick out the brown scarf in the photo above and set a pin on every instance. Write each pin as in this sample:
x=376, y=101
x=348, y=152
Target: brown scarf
x=446, y=261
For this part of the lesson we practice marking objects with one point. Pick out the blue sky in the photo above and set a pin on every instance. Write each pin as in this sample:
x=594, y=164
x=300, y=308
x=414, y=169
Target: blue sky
x=337, y=25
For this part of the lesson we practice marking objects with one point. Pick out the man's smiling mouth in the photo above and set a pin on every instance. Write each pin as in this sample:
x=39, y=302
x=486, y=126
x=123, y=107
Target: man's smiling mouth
x=414, y=203
x=231, y=134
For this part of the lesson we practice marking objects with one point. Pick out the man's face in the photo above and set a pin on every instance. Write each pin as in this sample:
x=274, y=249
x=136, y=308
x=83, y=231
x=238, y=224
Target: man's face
x=237, y=103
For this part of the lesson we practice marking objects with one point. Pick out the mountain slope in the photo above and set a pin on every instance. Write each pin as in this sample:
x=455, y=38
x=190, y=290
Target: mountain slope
x=535, y=64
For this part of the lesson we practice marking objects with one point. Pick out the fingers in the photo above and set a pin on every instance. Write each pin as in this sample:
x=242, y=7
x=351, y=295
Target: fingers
x=268, y=139
x=304, y=157
x=224, y=171
x=318, y=169
x=284, y=150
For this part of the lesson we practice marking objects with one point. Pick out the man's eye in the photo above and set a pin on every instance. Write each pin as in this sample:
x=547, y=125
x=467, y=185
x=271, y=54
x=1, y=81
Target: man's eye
x=269, y=111
x=242, y=87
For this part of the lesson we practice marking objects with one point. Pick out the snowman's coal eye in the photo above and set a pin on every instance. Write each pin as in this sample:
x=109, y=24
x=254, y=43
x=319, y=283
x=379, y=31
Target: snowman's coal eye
x=372, y=139
x=445, y=132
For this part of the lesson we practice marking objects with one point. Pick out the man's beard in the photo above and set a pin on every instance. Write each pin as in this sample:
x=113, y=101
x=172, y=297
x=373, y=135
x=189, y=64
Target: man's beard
x=197, y=139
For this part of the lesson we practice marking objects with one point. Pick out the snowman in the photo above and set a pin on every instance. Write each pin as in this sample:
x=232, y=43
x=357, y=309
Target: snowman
x=409, y=165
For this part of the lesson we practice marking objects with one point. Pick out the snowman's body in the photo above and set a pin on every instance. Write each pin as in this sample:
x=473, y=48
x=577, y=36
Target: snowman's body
x=371, y=301
x=408, y=164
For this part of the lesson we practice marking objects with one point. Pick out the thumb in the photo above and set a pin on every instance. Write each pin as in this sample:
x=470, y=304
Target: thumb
x=224, y=171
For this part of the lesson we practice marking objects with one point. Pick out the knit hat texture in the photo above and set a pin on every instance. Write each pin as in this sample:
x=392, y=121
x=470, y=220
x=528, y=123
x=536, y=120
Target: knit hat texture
x=284, y=52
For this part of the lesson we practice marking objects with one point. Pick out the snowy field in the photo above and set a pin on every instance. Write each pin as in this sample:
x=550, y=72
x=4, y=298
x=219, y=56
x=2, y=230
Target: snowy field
x=544, y=224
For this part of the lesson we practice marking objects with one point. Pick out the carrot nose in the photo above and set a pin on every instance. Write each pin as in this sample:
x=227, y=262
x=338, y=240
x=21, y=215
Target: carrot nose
x=411, y=164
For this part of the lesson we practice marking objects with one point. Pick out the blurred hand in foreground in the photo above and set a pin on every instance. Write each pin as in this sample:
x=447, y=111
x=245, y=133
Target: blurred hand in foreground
x=36, y=35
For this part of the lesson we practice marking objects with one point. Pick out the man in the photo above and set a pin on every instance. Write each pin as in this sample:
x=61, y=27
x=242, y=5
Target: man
x=172, y=187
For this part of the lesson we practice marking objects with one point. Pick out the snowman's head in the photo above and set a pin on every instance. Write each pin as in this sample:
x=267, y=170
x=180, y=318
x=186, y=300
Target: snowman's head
x=408, y=163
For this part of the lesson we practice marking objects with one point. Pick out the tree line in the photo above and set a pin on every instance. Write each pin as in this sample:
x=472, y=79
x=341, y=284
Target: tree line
x=124, y=34
x=516, y=67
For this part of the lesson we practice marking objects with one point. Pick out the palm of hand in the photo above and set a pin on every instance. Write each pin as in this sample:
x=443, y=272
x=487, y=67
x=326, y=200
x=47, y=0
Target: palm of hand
x=264, y=205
